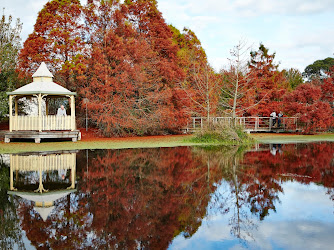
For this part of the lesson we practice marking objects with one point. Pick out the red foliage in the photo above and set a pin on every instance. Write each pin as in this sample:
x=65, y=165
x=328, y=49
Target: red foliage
x=132, y=71
x=305, y=103
x=265, y=85
x=56, y=40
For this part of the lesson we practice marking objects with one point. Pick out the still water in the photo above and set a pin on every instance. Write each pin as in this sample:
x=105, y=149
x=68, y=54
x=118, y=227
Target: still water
x=265, y=197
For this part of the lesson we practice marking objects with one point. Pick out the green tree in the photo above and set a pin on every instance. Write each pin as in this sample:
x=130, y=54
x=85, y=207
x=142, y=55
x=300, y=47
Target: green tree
x=319, y=68
x=9, y=47
x=293, y=76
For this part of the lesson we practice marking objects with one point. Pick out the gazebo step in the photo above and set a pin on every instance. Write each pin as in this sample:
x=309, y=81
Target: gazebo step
x=74, y=135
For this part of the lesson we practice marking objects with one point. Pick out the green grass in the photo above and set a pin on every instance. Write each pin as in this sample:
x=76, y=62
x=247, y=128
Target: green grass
x=292, y=138
x=154, y=142
x=107, y=143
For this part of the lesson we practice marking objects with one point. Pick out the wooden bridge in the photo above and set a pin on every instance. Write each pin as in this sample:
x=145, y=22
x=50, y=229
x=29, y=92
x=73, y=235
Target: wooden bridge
x=250, y=124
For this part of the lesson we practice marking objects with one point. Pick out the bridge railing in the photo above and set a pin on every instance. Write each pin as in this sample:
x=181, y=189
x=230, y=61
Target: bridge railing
x=251, y=123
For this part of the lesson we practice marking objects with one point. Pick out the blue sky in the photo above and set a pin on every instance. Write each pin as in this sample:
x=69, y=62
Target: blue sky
x=299, y=31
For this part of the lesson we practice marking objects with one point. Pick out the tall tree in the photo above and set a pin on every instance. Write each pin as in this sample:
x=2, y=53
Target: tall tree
x=149, y=23
x=10, y=44
x=294, y=77
x=131, y=75
x=267, y=86
x=327, y=88
x=191, y=54
x=203, y=90
x=56, y=40
x=236, y=80
x=319, y=68
x=200, y=82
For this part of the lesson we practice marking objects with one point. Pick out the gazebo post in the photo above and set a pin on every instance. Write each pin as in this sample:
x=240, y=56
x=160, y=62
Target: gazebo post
x=10, y=113
x=72, y=113
x=46, y=106
x=16, y=112
x=40, y=112
x=16, y=109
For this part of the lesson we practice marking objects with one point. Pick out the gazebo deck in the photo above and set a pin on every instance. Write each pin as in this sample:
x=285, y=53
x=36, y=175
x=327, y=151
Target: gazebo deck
x=75, y=135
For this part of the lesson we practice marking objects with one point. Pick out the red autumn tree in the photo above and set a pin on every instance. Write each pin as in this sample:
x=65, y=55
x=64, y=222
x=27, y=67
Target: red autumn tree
x=56, y=40
x=305, y=103
x=132, y=70
x=268, y=85
x=327, y=88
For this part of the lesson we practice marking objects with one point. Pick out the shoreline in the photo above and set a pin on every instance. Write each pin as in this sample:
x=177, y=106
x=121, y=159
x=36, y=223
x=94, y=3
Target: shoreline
x=152, y=142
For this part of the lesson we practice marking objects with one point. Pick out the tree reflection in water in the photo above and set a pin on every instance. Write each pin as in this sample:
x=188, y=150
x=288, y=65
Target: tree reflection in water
x=143, y=198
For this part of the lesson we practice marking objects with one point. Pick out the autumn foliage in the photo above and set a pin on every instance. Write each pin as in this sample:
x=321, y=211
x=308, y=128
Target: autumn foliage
x=139, y=76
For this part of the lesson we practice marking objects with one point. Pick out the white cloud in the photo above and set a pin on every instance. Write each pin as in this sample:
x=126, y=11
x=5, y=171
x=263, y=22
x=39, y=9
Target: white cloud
x=298, y=31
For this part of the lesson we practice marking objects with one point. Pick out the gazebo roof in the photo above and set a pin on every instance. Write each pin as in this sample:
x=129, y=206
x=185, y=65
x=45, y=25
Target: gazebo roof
x=42, y=71
x=43, y=197
x=42, y=84
x=49, y=198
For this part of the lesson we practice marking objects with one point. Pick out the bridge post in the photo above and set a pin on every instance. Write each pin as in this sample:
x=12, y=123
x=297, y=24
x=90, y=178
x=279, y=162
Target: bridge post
x=270, y=123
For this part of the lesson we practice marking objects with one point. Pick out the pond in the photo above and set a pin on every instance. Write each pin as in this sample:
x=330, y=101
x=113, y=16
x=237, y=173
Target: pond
x=264, y=197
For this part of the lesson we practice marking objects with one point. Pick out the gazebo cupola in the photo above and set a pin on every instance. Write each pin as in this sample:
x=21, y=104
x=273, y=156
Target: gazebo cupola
x=44, y=89
x=42, y=74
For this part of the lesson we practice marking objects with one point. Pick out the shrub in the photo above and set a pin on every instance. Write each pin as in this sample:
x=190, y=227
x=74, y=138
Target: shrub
x=216, y=133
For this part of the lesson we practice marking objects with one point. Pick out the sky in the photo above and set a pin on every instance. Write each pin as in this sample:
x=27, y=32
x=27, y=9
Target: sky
x=298, y=31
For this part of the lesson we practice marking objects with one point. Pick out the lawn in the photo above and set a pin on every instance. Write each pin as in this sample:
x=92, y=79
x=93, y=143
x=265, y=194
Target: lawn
x=89, y=142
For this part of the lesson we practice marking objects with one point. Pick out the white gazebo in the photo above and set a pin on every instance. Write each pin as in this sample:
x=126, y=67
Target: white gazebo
x=42, y=125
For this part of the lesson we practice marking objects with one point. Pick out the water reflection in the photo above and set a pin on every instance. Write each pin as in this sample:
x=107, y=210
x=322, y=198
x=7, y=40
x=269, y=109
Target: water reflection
x=168, y=197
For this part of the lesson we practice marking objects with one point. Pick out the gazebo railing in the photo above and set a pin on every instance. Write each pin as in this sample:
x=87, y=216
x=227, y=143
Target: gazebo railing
x=49, y=122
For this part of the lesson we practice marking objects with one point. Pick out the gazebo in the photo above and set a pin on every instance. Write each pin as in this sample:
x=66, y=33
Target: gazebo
x=42, y=125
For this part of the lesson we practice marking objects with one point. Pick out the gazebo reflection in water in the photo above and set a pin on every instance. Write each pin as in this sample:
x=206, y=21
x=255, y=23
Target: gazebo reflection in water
x=54, y=172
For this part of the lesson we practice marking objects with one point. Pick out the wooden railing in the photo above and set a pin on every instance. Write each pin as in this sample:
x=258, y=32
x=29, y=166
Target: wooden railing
x=248, y=123
x=50, y=122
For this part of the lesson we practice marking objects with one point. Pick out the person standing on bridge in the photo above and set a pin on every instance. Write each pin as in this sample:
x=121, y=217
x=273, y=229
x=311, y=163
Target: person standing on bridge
x=273, y=118
x=279, y=120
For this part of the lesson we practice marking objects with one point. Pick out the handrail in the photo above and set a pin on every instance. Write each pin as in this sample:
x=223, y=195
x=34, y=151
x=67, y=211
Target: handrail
x=49, y=122
x=249, y=123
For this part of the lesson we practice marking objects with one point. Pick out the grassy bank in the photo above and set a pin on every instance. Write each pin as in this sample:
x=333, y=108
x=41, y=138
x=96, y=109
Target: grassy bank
x=149, y=142
x=98, y=143
x=291, y=138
